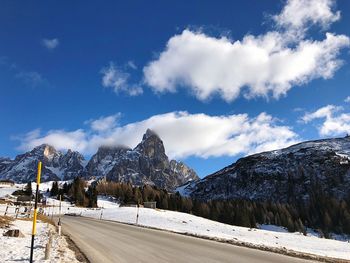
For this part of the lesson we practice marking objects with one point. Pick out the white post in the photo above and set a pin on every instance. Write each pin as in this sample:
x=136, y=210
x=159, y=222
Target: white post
x=137, y=216
x=7, y=207
x=59, y=218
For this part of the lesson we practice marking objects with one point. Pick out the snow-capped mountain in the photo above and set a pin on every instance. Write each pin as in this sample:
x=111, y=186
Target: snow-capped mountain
x=288, y=175
x=55, y=165
x=147, y=163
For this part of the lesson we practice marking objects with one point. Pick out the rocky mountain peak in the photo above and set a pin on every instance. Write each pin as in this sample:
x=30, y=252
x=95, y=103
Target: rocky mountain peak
x=56, y=165
x=44, y=147
x=151, y=145
x=149, y=133
x=147, y=163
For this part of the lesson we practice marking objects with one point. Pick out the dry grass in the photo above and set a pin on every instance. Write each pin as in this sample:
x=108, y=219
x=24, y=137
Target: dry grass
x=45, y=219
x=40, y=217
x=5, y=221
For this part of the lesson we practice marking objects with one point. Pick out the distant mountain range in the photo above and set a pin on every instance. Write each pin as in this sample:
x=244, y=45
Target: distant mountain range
x=147, y=163
x=288, y=175
x=291, y=174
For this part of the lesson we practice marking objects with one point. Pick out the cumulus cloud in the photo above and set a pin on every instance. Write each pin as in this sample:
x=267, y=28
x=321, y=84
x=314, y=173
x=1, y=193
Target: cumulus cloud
x=347, y=99
x=119, y=80
x=263, y=65
x=104, y=124
x=50, y=44
x=184, y=135
x=60, y=139
x=334, y=120
x=324, y=112
x=298, y=14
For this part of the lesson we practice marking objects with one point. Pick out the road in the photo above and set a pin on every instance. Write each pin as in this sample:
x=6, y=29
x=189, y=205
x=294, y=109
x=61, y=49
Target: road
x=105, y=241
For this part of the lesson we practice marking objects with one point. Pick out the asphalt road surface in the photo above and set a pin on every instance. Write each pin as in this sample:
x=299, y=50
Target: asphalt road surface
x=105, y=241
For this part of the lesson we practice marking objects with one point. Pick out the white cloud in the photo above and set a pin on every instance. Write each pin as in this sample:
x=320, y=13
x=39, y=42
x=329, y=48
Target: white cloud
x=334, y=121
x=60, y=139
x=104, y=124
x=256, y=65
x=298, y=14
x=50, y=44
x=347, y=99
x=183, y=134
x=119, y=80
x=324, y=112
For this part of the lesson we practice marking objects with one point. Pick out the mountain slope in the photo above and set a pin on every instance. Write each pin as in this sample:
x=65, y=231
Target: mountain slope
x=147, y=163
x=287, y=175
x=56, y=165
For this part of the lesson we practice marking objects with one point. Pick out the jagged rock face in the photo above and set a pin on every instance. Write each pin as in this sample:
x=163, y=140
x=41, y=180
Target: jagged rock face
x=288, y=175
x=147, y=163
x=55, y=165
x=104, y=160
x=71, y=164
x=187, y=173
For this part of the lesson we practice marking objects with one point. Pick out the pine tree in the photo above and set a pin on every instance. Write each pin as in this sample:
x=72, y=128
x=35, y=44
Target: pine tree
x=54, y=189
x=92, y=196
x=28, y=189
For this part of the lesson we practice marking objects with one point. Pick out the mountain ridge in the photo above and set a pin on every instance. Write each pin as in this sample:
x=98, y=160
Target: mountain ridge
x=290, y=174
x=148, y=161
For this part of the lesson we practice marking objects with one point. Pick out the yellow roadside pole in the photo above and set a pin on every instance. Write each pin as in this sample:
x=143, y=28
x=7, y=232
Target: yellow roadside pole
x=35, y=211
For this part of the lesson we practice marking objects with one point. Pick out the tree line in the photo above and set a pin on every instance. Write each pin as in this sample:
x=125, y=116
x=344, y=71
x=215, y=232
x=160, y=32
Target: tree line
x=76, y=192
x=322, y=213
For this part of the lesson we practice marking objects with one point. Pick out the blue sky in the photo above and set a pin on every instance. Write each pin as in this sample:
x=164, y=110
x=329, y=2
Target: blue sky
x=215, y=81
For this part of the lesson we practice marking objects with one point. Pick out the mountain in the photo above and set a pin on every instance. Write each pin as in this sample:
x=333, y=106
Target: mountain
x=147, y=163
x=292, y=174
x=55, y=165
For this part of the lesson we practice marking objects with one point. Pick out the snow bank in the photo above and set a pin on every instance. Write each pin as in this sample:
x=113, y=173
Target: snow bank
x=15, y=250
x=5, y=191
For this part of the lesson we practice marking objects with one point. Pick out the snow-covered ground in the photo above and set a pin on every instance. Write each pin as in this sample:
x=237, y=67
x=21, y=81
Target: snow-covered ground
x=17, y=249
x=8, y=190
x=4, y=190
x=267, y=236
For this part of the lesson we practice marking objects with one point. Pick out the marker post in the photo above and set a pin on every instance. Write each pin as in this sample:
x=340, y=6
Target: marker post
x=35, y=211
x=59, y=218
